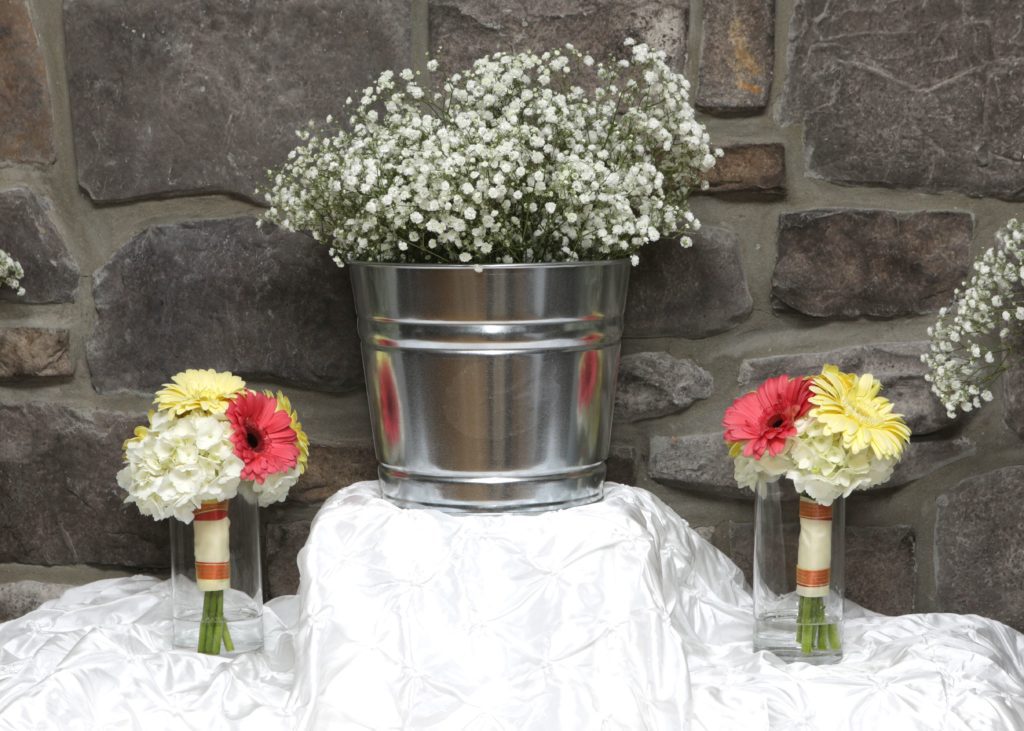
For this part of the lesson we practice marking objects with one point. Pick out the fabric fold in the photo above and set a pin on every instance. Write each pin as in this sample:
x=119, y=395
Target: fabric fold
x=616, y=615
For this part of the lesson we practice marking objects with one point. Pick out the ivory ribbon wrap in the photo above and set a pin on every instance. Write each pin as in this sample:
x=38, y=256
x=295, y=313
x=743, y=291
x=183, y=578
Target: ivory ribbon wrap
x=213, y=556
x=814, y=552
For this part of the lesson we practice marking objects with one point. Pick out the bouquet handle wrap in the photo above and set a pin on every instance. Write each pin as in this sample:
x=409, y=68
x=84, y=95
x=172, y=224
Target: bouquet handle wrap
x=814, y=552
x=212, y=549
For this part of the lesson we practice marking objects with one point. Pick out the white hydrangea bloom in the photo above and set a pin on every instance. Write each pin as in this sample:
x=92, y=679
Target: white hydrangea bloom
x=275, y=487
x=823, y=469
x=973, y=341
x=512, y=160
x=11, y=273
x=755, y=473
x=178, y=463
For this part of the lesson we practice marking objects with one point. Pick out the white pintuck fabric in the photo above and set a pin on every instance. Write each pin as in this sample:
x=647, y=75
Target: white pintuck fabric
x=610, y=616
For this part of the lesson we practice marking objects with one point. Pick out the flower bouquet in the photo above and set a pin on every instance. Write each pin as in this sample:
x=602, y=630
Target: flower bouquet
x=829, y=435
x=513, y=160
x=11, y=273
x=209, y=440
x=526, y=178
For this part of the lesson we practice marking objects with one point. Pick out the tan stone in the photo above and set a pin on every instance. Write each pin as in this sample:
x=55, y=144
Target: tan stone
x=750, y=171
x=736, y=56
x=26, y=124
x=34, y=352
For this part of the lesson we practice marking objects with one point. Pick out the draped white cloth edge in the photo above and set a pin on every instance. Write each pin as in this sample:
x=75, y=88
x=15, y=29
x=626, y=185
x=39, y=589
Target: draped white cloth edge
x=616, y=615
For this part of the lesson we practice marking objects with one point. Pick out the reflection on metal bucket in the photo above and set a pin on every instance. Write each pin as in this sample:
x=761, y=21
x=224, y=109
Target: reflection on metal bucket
x=491, y=390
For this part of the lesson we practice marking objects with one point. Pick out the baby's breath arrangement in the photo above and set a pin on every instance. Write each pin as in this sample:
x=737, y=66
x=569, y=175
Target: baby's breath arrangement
x=513, y=160
x=11, y=273
x=972, y=342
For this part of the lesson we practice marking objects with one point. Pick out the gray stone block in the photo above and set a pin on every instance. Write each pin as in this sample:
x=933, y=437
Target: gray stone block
x=979, y=546
x=928, y=98
x=690, y=293
x=464, y=30
x=847, y=263
x=897, y=365
x=28, y=234
x=26, y=125
x=1013, y=397
x=34, y=352
x=223, y=294
x=880, y=562
x=737, y=56
x=698, y=463
x=331, y=468
x=926, y=458
x=205, y=97
x=284, y=541
x=655, y=384
x=623, y=465
x=61, y=502
x=21, y=597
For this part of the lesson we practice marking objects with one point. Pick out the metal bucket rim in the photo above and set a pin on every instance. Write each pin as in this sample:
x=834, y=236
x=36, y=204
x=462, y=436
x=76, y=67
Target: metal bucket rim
x=486, y=267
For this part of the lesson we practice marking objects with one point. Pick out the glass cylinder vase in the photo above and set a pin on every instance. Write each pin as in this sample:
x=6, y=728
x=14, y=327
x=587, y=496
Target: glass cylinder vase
x=798, y=575
x=231, y=528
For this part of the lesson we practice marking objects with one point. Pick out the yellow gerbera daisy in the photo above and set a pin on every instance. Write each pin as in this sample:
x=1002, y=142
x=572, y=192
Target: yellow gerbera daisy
x=303, y=441
x=849, y=405
x=208, y=391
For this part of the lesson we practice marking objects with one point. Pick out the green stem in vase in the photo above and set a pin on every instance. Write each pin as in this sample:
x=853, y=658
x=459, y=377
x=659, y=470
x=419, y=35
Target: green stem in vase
x=210, y=619
x=833, y=636
x=822, y=628
x=813, y=630
x=228, y=644
x=204, y=622
x=212, y=627
x=807, y=637
x=218, y=622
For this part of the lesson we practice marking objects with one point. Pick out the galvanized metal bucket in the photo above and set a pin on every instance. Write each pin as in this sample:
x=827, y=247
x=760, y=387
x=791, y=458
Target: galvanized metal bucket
x=491, y=390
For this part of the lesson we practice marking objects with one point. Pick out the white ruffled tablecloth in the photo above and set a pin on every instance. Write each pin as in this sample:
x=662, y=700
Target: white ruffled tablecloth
x=610, y=616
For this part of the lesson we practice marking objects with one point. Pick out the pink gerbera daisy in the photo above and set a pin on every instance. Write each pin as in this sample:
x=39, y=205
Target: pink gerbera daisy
x=764, y=419
x=263, y=436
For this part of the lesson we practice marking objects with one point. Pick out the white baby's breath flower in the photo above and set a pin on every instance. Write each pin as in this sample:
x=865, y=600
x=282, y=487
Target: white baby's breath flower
x=11, y=273
x=973, y=341
x=514, y=151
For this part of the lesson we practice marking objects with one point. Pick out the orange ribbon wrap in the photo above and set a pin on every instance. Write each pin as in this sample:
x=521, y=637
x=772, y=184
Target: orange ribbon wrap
x=814, y=552
x=213, y=556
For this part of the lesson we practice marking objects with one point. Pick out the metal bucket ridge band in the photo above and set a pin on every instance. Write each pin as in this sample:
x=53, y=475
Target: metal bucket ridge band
x=491, y=390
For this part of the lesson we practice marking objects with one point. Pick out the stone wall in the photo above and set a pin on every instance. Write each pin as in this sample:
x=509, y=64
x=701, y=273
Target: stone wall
x=871, y=151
